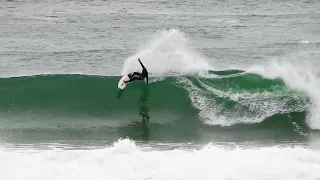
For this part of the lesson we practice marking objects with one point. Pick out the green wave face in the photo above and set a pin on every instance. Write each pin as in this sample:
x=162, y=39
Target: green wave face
x=81, y=97
x=81, y=101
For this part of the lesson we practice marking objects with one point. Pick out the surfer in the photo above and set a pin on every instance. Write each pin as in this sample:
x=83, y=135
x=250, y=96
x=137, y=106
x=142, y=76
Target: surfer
x=138, y=76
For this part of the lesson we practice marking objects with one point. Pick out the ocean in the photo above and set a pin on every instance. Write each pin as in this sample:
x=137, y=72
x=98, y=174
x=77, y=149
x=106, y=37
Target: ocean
x=233, y=93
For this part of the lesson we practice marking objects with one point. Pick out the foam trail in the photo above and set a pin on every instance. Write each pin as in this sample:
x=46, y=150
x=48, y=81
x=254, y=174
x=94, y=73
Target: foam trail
x=249, y=107
x=125, y=160
x=167, y=53
x=301, y=79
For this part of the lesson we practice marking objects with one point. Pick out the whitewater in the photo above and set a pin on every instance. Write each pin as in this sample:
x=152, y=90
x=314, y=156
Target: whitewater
x=126, y=160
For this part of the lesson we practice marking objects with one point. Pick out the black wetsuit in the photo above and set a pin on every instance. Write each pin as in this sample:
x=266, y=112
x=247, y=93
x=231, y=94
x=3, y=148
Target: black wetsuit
x=137, y=75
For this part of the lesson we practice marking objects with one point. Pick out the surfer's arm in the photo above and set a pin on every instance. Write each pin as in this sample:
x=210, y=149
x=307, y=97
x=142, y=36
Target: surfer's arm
x=141, y=63
x=147, y=80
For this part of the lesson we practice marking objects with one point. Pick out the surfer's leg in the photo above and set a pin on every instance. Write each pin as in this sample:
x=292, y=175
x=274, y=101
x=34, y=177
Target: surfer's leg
x=144, y=74
x=136, y=74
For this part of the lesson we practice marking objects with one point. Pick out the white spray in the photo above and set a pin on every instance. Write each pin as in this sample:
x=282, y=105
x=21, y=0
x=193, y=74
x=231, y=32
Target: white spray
x=168, y=52
x=299, y=78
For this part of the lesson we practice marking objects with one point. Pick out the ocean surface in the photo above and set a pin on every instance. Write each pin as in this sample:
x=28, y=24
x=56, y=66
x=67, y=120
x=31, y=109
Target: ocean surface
x=234, y=90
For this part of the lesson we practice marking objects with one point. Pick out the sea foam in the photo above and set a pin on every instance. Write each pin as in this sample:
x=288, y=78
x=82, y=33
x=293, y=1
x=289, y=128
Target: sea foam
x=126, y=160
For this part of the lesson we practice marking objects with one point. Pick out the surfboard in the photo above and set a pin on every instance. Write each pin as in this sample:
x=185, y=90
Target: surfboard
x=121, y=83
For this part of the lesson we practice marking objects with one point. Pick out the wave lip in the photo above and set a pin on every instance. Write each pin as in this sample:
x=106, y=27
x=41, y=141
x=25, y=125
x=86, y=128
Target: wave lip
x=300, y=79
